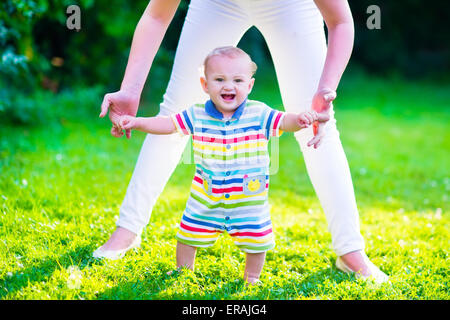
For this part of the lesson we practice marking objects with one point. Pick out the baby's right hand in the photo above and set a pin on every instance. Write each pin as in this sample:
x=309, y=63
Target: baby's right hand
x=127, y=122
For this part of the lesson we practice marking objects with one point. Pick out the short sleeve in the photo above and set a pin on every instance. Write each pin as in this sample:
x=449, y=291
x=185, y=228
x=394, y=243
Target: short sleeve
x=271, y=122
x=183, y=121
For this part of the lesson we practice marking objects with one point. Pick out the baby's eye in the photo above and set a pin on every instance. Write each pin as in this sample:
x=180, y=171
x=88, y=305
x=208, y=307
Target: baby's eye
x=219, y=79
x=238, y=80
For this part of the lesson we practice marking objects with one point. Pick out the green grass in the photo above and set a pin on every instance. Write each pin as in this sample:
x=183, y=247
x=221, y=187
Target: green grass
x=62, y=185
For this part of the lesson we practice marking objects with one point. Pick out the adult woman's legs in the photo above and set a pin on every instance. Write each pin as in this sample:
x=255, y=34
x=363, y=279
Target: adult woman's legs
x=297, y=44
x=208, y=24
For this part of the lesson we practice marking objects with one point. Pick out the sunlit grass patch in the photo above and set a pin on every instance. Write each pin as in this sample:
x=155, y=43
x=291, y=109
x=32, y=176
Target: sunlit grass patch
x=62, y=186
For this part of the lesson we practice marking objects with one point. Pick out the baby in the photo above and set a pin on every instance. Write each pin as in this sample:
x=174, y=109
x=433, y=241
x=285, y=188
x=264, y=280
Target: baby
x=230, y=136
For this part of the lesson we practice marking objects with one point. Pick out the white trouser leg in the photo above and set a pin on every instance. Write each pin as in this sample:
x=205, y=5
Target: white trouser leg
x=209, y=24
x=297, y=44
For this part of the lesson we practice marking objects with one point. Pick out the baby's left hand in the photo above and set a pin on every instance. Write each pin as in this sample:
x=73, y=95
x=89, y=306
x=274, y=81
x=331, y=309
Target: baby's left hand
x=305, y=119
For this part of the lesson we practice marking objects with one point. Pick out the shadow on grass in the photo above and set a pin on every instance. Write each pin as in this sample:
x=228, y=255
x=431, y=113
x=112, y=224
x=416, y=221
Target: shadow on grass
x=159, y=288
x=148, y=288
x=42, y=270
x=309, y=287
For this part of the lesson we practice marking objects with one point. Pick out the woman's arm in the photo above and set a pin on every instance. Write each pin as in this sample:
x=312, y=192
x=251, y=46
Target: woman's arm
x=339, y=21
x=147, y=38
x=341, y=33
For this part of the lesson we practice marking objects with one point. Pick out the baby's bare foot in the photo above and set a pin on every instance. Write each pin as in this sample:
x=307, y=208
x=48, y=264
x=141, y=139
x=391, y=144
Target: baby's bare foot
x=253, y=282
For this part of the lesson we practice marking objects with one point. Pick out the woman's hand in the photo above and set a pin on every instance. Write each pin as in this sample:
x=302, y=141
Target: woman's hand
x=322, y=100
x=339, y=21
x=321, y=103
x=146, y=40
x=119, y=103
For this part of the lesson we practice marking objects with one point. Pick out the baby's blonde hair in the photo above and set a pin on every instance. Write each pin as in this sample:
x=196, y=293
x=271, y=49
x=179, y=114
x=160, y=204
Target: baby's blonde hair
x=231, y=52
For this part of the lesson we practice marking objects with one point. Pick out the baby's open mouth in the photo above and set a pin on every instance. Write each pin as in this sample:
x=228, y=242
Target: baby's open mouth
x=228, y=97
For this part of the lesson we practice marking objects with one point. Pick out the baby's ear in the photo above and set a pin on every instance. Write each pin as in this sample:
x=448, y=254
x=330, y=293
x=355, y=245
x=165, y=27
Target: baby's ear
x=204, y=84
x=250, y=85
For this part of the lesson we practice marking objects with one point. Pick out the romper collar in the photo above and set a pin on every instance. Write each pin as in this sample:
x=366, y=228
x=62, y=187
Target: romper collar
x=211, y=109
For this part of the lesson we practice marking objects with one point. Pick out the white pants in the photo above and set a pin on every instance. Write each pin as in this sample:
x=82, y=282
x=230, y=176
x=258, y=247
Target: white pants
x=294, y=32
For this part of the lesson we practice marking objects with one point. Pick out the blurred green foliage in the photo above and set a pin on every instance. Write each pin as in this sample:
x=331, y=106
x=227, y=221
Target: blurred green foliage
x=41, y=107
x=38, y=51
x=413, y=40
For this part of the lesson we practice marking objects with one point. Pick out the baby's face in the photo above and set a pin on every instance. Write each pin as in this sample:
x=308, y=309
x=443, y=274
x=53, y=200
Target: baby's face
x=228, y=81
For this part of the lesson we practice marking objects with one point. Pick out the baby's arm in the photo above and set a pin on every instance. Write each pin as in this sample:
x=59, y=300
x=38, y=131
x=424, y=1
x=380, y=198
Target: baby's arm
x=294, y=122
x=155, y=125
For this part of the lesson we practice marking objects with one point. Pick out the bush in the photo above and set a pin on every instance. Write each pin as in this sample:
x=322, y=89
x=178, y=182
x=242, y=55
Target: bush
x=46, y=108
x=38, y=51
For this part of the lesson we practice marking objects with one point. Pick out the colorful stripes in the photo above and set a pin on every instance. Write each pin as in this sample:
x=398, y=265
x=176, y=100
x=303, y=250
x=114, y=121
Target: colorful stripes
x=227, y=148
x=246, y=138
x=249, y=236
x=229, y=191
x=180, y=124
x=234, y=156
x=200, y=181
x=276, y=125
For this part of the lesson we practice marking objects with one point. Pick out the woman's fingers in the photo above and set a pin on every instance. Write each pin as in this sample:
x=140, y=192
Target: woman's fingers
x=315, y=141
x=329, y=96
x=323, y=99
x=118, y=126
x=327, y=93
x=312, y=141
x=315, y=127
x=115, y=118
x=116, y=132
x=105, y=106
x=318, y=135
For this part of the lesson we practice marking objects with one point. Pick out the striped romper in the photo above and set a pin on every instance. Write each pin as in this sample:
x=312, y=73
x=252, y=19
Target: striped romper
x=229, y=191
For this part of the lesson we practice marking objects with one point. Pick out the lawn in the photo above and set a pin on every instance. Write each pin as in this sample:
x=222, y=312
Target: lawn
x=62, y=185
